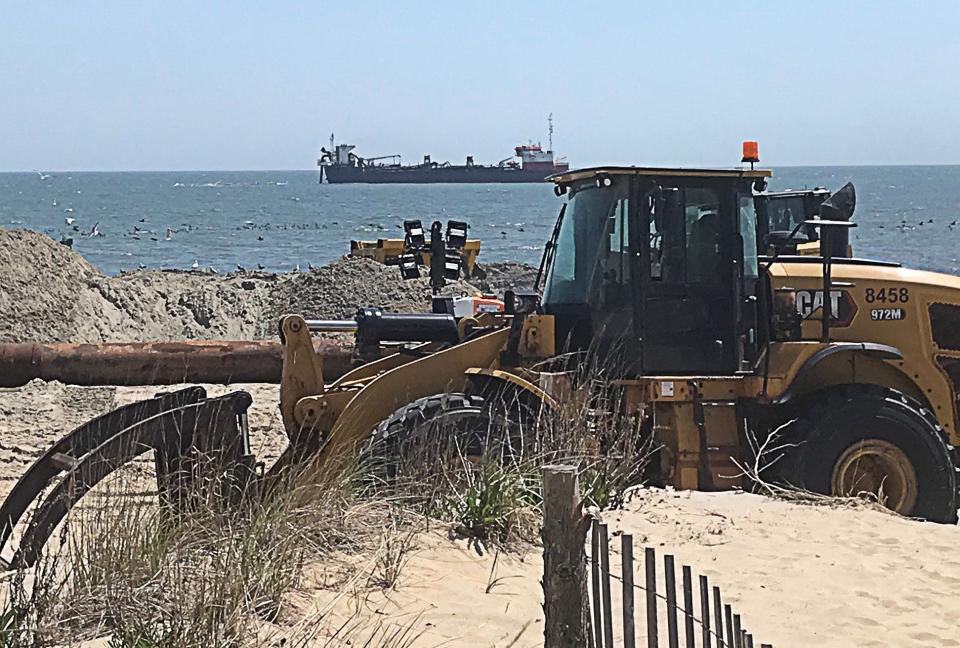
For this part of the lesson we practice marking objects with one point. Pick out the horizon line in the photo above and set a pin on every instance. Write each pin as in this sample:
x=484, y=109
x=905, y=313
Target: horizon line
x=301, y=170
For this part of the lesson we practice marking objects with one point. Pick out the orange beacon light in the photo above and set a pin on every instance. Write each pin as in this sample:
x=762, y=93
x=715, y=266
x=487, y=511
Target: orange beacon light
x=751, y=152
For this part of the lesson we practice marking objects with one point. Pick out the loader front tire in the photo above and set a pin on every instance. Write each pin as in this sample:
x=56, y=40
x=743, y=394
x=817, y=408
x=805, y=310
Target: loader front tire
x=862, y=439
x=435, y=433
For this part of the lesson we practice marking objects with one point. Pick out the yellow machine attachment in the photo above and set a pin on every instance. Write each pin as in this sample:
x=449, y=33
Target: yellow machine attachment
x=388, y=252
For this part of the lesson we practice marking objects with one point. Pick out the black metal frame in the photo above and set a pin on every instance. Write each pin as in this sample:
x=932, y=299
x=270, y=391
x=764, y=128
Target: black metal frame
x=189, y=434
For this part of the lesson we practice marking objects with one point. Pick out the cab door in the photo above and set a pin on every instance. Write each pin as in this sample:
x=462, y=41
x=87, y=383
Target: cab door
x=687, y=315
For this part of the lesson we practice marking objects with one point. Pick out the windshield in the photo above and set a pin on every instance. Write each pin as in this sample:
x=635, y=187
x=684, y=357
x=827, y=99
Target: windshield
x=592, y=246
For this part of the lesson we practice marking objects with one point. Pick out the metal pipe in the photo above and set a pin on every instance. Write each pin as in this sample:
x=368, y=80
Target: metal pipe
x=332, y=326
x=158, y=363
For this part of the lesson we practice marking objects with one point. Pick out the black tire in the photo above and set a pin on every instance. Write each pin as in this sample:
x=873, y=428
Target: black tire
x=835, y=425
x=434, y=431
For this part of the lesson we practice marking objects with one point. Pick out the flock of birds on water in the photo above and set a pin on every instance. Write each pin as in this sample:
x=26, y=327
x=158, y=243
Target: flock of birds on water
x=904, y=226
x=138, y=232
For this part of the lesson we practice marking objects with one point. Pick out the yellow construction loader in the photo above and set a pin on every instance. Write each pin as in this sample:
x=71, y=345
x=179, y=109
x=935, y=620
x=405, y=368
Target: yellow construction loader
x=731, y=321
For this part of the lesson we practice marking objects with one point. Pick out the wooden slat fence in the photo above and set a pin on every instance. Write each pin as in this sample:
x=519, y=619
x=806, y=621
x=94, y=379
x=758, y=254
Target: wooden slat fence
x=700, y=618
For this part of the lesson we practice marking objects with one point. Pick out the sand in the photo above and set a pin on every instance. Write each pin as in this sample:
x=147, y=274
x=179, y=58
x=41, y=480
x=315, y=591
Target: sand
x=49, y=293
x=800, y=575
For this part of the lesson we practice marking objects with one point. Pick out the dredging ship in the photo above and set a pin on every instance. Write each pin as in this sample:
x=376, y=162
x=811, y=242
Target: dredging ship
x=530, y=163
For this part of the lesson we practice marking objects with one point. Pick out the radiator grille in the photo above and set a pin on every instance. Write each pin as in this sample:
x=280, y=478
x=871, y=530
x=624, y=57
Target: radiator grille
x=945, y=324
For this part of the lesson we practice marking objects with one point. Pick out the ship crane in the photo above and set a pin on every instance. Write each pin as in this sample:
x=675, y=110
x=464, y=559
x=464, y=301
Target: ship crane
x=395, y=159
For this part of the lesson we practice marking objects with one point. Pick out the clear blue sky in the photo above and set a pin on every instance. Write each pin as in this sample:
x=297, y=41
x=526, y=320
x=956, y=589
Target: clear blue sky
x=261, y=85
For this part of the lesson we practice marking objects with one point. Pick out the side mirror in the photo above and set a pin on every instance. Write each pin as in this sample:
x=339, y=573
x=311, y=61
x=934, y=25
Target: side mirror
x=840, y=205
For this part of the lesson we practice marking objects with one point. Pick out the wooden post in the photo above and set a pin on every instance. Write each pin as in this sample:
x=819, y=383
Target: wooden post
x=728, y=617
x=737, y=632
x=718, y=617
x=650, y=569
x=688, y=605
x=629, y=608
x=595, y=584
x=566, y=617
x=605, y=587
x=705, y=611
x=670, y=580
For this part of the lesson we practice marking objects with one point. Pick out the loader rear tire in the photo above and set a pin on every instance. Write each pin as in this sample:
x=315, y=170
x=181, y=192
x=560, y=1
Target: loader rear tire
x=860, y=438
x=435, y=431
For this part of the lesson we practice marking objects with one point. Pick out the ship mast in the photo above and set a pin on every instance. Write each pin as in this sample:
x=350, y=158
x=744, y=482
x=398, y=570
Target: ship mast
x=550, y=131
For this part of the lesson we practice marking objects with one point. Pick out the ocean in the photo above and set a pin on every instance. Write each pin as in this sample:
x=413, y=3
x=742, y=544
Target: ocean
x=286, y=219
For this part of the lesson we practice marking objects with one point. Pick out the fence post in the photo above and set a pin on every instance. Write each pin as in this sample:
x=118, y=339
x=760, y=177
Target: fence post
x=705, y=611
x=670, y=582
x=650, y=570
x=566, y=616
x=718, y=618
x=595, y=584
x=629, y=625
x=688, y=605
x=605, y=587
x=728, y=617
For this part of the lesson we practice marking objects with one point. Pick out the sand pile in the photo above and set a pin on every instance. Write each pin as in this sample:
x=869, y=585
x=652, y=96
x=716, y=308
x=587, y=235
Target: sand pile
x=338, y=289
x=500, y=277
x=49, y=293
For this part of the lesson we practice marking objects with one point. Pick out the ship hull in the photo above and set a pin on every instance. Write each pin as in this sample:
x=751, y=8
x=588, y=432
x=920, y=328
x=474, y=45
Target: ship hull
x=339, y=174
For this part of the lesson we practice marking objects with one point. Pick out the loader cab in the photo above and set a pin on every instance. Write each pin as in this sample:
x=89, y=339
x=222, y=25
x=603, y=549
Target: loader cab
x=656, y=269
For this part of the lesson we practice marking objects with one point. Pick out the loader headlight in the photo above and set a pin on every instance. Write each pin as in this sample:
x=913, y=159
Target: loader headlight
x=414, y=233
x=409, y=268
x=451, y=266
x=456, y=234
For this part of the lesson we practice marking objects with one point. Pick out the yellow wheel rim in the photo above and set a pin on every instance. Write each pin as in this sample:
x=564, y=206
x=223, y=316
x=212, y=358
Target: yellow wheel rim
x=880, y=468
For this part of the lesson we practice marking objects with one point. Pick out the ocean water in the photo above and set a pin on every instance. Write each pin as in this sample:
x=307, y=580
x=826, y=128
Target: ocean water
x=281, y=220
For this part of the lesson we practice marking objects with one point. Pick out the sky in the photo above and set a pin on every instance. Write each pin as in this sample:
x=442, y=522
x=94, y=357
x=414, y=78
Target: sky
x=166, y=85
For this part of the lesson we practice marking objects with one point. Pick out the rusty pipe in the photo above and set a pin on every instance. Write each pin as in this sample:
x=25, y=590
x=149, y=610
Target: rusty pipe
x=158, y=363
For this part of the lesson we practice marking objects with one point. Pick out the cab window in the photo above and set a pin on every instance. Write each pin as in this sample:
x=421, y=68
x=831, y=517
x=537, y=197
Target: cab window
x=685, y=236
x=748, y=236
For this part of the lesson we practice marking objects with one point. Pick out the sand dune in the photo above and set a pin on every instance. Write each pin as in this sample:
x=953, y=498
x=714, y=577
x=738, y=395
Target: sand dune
x=800, y=575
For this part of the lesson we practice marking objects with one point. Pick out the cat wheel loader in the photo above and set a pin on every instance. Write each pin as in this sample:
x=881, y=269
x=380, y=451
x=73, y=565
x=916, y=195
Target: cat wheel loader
x=732, y=325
